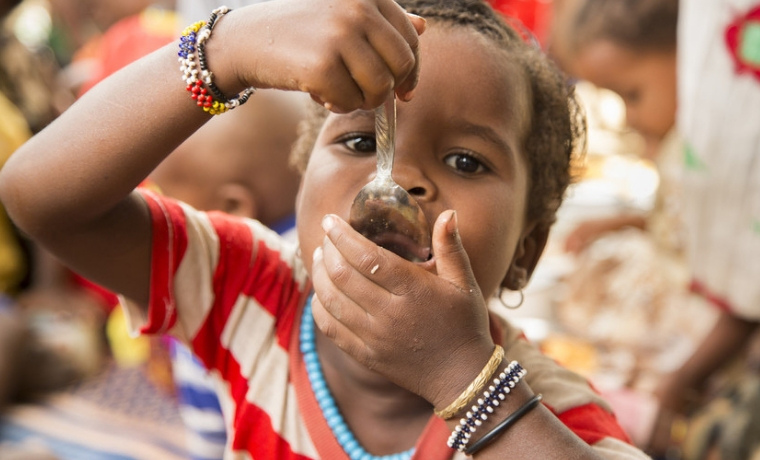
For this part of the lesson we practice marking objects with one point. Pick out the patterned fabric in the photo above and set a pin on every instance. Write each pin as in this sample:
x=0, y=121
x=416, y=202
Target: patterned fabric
x=198, y=404
x=718, y=116
x=118, y=415
x=234, y=290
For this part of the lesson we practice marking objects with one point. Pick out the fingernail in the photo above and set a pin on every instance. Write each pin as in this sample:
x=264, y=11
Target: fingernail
x=317, y=255
x=328, y=106
x=328, y=222
x=422, y=20
x=452, y=224
x=406, y=97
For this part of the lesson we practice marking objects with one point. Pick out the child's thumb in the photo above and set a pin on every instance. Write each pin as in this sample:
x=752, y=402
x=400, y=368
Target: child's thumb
x=452, y=263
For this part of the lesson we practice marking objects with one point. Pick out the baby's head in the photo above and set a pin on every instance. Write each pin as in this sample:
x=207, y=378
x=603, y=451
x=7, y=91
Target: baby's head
x=627, y=46
x=490, y=133
x=238, y=163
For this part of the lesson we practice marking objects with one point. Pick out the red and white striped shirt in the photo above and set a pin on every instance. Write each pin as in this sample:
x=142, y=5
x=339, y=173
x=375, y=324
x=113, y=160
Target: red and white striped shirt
x=234, y=290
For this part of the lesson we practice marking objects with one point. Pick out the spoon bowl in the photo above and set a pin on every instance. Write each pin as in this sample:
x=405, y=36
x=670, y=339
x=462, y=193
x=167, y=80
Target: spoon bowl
x=383, y=211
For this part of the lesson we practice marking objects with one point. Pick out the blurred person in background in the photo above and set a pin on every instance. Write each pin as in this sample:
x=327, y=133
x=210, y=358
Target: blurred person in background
x=28, y=65
x=629, y=291
x=26, y=80
x=718, y=116
x=630, y=47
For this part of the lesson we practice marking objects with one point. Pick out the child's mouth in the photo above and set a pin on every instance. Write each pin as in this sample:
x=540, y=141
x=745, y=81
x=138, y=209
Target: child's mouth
x=403, y=246
x=389, y=236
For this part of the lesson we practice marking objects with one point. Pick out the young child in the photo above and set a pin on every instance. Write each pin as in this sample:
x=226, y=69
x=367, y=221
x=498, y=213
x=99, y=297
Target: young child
x=628, y=47
x=387, y=355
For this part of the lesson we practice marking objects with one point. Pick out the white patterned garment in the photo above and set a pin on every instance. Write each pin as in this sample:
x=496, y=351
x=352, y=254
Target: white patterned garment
x=719, y=117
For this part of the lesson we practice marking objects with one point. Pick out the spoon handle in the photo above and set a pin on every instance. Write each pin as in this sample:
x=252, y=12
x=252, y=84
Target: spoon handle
x=385, y=135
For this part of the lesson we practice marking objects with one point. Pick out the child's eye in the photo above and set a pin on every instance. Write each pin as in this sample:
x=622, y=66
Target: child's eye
x=465, y=163
x=360, y=143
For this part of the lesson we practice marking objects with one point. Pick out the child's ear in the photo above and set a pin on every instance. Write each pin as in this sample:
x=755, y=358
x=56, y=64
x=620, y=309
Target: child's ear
x=527, y=254
x=236, y=199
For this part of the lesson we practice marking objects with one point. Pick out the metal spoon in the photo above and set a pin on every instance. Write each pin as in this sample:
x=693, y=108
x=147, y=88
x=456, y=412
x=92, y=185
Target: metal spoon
x=383, y=211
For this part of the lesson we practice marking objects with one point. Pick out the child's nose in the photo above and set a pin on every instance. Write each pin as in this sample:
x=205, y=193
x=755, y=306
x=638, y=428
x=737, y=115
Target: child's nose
x=412, y=178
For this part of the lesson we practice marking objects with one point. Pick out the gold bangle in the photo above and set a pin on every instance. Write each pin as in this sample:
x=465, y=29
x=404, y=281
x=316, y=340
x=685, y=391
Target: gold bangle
x=474, y=388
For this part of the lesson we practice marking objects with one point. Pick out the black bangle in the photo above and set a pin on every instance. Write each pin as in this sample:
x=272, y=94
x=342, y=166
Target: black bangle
x=504, y=424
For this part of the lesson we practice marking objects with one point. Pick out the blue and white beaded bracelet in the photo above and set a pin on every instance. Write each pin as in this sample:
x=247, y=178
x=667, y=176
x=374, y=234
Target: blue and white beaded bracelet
x=497, y=392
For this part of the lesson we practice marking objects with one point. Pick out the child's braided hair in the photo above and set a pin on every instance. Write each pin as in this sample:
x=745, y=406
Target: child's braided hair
x=557, y=131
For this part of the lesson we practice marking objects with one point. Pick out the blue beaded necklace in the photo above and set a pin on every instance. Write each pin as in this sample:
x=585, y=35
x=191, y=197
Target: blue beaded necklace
x=335, y=421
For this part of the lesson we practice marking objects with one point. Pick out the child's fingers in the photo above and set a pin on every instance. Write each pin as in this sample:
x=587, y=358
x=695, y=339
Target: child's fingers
x=348, y=54
x=370, y=73
x=335, y=314
x=334, y=329
x=419, y=23
x=352, y=282
x=366, y=271
x=399, y=50
x=342, y=93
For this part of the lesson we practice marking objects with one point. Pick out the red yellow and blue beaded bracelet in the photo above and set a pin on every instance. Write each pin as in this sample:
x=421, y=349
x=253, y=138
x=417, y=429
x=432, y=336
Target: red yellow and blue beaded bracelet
x=195, y=72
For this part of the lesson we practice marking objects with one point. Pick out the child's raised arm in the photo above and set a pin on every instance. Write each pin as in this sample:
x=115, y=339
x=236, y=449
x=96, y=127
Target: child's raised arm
x=70, y=187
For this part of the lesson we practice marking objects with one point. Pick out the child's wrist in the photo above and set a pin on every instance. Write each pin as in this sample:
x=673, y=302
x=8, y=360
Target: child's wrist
x=454, y=380
x=502, y=402
x=220, y=52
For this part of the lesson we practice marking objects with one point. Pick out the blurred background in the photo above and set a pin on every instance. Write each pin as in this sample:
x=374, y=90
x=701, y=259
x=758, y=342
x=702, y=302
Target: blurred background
x=614, y=304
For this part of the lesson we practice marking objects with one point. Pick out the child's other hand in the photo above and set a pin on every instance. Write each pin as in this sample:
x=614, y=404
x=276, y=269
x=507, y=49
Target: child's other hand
x=417, y=324
x=347, y=54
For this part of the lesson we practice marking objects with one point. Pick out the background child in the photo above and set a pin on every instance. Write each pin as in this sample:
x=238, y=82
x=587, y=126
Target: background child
x=631, y=268
x=393, y=339
x=630, y=47
x=718, y=94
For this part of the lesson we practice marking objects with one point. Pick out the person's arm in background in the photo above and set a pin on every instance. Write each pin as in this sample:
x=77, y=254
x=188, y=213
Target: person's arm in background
x=591, y=230
x=728, y=337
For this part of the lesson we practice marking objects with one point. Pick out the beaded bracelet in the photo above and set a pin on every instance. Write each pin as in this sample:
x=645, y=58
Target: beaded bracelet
x=504, y=425
x=199, y=79
x=474, y=388
x=502, y=385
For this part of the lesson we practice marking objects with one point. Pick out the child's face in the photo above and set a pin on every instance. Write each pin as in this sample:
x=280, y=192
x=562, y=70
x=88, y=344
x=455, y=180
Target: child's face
x=459, y=146
x=239, y=163
x=645, y=80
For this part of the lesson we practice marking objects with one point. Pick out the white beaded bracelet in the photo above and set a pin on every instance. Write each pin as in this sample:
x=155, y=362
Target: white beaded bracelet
x=496, y=393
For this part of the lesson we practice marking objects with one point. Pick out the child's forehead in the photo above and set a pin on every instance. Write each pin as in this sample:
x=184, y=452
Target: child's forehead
x=465, y=55
x=478, y=76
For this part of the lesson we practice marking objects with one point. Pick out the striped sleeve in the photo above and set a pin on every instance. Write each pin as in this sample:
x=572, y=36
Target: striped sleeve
x=204, y=264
